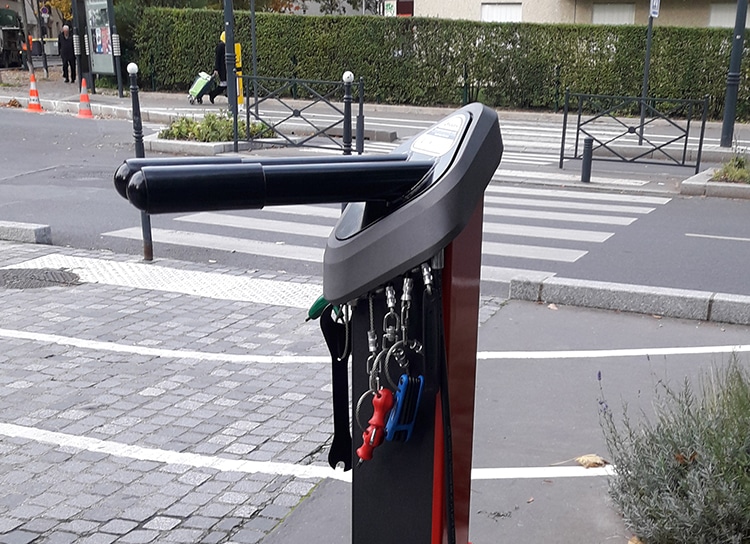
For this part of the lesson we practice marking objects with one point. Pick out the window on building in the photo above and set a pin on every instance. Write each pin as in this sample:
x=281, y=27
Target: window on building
x=613, y=14
x=502, y=13
x=723, y=15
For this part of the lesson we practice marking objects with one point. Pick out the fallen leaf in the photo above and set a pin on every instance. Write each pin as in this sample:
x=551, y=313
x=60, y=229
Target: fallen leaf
x=681, y=459
x=552, y=306
x=635, y=540
x=591, y=461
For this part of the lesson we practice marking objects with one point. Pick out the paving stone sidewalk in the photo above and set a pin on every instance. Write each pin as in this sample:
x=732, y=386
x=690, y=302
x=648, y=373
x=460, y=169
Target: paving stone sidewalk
x=100, y=445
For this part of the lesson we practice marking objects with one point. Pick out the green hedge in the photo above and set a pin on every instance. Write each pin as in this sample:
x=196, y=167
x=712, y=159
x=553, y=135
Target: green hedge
x=423, y=61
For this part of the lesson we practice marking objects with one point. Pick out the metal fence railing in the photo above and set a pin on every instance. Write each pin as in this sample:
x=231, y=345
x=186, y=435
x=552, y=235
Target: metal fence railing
x=304, y=112
x=661, y=134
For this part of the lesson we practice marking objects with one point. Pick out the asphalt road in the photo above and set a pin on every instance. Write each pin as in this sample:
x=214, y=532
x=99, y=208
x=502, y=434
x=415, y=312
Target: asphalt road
x=57, y=170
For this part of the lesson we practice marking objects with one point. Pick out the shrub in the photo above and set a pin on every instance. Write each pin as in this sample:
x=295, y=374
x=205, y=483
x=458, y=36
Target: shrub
x=212, y=128
x=429, y=61
x=685, y=477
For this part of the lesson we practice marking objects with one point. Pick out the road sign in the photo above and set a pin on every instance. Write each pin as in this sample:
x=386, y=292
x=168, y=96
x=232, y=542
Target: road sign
x=655, y=8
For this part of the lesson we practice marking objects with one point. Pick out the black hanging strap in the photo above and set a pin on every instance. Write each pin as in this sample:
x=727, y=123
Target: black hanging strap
x=437, y=365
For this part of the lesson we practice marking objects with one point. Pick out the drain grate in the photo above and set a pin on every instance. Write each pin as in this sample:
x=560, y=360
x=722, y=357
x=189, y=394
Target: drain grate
x=35, y=278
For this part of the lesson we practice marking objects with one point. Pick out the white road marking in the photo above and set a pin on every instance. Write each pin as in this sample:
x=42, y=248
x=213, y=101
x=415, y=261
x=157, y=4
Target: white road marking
x=141, y=453
x=564, y=204
x=255, y=223
x=579, y=195
x=554, y=176
x=716, y=237
x=610, y=353
x=515, y=473
x=532, y=252
x=547, y=232
x=97, y=345
x=305, y=209
x=323, y=231
x=557, y=216
x=44, y=338
x=314, y=471
x=225, y=243
x=118, y=449
x=504, y=275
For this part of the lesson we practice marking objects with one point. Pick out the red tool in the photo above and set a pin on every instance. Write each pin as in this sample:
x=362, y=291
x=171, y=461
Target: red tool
x=382, y=402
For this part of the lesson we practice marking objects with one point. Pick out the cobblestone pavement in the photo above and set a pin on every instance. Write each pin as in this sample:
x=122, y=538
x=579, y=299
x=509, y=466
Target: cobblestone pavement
x=141, y=415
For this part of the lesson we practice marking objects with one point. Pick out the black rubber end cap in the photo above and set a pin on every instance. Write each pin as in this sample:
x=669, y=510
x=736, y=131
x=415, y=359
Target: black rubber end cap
x=137, y=191
x=122, y=177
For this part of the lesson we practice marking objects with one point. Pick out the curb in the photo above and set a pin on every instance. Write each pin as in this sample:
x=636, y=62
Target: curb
x=699, y=185
x=165, y=118
x=668, y=302
x=25, y=232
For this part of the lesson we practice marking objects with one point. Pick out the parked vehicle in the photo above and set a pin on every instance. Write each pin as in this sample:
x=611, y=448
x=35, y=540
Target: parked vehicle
x=11, y=38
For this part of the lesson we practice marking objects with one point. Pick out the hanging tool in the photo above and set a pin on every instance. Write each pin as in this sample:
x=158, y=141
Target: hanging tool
x=336, y=333
x=403, y=415
x=382, y=402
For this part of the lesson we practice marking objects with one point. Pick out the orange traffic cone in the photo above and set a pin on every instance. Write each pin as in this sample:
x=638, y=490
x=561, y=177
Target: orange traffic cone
x=34, y=104
x=84, y=108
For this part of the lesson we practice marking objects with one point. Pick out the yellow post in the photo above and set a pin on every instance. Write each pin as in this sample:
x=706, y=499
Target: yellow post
x=238, y=70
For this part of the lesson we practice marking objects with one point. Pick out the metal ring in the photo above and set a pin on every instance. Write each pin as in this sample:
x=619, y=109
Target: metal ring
x=357, y=416
x=386, y=368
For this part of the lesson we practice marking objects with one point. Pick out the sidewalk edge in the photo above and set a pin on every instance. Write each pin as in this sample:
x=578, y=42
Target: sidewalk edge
x=662, y=301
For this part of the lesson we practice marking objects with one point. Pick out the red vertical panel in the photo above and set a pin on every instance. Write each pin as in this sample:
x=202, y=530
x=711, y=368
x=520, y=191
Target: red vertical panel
x=463, y=262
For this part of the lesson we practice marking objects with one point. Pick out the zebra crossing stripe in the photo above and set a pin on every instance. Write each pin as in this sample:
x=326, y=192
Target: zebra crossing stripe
x=579, y=195
x=559, y=216
x=225, y=243
x=532, y=252
x=501, y=274
x=306, y=209
x=323, y=231
x=254, y=223
x=576, y=235
x=566, y=205
x=502, y=173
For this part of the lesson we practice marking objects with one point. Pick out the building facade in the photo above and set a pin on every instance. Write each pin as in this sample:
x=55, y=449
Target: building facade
x=691, y=13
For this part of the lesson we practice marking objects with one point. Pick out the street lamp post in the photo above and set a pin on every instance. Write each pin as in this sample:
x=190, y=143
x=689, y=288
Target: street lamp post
x=230, y=61
x=42, y=32
x=254, y=52
x=733, y=77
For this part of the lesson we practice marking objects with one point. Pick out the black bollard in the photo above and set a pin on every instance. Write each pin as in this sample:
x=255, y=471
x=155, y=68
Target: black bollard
x=360, y=140
x=348, y=78
x=140, y=152
x=588, y=152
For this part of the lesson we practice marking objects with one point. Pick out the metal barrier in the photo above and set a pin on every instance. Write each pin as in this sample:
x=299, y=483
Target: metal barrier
x=310, y=124
x=611, y=120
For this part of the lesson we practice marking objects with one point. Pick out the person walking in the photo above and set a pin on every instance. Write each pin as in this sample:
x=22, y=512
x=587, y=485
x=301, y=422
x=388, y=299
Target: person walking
x=67, y=54
x=220, y=68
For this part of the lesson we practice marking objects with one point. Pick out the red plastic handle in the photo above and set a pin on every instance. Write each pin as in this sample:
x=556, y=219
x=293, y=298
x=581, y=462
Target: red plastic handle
x=382, y=402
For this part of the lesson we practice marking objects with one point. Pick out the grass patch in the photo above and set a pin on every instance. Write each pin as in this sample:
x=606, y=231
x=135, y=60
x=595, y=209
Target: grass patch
x=735, y=170
x=684, y=476
x=212, y=128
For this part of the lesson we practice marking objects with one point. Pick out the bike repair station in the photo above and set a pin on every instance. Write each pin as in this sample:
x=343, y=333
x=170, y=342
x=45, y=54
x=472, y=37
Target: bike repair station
x=400, y=302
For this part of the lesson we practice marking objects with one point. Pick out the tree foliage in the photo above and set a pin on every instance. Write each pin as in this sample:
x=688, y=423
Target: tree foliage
x=64, y=8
